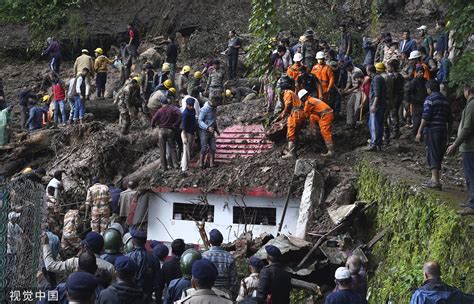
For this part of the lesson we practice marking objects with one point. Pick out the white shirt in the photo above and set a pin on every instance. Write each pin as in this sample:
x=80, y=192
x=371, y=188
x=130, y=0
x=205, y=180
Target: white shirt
x=55, y=183
x=197, y=107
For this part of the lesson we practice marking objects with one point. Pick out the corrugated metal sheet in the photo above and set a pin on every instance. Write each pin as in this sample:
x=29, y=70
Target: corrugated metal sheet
x=240, y=141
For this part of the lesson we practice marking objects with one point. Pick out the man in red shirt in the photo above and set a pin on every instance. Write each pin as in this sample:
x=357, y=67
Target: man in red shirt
x=134, y=40
x=59, y=98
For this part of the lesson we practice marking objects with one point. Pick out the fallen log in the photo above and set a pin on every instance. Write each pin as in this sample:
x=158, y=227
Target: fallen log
x=307, y=285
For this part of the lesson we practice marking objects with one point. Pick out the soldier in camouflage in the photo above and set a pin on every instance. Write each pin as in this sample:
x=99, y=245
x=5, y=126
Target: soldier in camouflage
x=127, y=99
x=70, y=241
x=215, y=83
x=98, y=197
x=53, y=210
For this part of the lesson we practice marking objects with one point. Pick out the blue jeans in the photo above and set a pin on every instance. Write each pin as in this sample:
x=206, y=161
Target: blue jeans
x=208, y=141
x=79, y=108
x=468, y=166
x=376, y=126
x=59, y=106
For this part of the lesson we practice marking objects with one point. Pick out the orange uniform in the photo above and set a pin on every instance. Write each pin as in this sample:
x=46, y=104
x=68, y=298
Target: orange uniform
x=295, y=108
x=325, y=75
x=426, y=71
x=320, y=112
x=293, y=71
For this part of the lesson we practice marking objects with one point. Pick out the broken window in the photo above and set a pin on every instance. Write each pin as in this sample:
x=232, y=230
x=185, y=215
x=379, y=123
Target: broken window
x=193, y=212
x=254, y=215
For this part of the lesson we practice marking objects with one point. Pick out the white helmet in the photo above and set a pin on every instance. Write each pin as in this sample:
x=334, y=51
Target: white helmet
x=298, y=57
x=302, y=93
x=415, y=54
x=320, y=55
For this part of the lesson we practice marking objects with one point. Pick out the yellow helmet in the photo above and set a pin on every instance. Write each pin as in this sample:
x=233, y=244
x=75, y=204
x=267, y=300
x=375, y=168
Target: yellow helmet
x=165, y=67
x=99, y=51
x=228, y=93
x=186, y=69
x=168, y=83
x=172, y=91
x=137, y=79
x=198, y=75
x=380, y=67
x=27, y=170
x=46, y=98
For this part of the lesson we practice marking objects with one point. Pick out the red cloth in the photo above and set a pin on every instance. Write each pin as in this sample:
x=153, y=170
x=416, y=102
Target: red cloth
x=58, y=92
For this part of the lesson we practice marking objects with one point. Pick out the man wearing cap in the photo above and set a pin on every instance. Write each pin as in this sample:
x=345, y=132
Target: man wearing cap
x=223, y=260
x=319, y=113
x=189, y=128
x=207, y=123
x=416, y=60
x=100, y=67
x=148, y=267
x=84, y=62
x=125, y=290
x=325, y=75
x=377, y=105
x=160, y=252
x=127, y=99
x=344, y=294
x=204, y=274
x=294, y=70
x=310, y=48
x=427, y=42
x=93, y=242
x=249, y=285
x=194, y=87
x=98, y=198
x=168, y=120
x=275, y=281
x=162, y=76
x=215, y=82
x=80, y=288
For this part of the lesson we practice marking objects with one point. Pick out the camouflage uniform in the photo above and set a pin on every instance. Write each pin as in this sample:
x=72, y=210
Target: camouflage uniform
x=98, y=196
x=215, y=83
x=70, y=241
x=126, y=104
x=53, y=209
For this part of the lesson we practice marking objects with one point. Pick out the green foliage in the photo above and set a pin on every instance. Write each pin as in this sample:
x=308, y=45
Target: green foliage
x=462, y=72
x=420, y=227
x=262, y=26
x=298, y=296
x=374, y=18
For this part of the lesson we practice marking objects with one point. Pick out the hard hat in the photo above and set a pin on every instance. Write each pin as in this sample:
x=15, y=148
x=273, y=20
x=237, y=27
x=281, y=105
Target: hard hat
x=186, y=262
x=422, y=28
x=46, y=98
x=380, y=66
x=309, y=33
x=168, y=83
x=172, y=91
x=298, y=57
x=27, y=170
x=137, y=79
x=127, y=242
x=415, y=54
x=99, y=51
x=302, y=93
x=198, y=75
x=85, y=51
x=165, y=67
x=302, y=39
x=186, y=69
x=342, y=273
x=320, y=55
x=228, y=93
x=112, y=241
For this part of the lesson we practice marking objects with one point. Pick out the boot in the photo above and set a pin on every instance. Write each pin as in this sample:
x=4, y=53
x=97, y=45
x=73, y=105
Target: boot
x=330, y=152
x=291, y=150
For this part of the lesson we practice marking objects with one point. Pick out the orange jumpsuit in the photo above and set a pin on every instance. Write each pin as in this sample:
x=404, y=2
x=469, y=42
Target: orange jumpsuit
x=426, y=71
x=325, y=75
x=293, y=71
x=295, y=108
x=319, y=112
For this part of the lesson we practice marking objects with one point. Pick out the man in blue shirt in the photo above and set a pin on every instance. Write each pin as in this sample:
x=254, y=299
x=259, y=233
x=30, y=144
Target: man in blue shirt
x=207, y=126
x=35, y=117
x=189, y=128
x=377, y=104
x=344, y=294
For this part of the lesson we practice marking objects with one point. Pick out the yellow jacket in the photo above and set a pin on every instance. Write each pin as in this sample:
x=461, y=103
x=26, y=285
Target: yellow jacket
x=101, y=64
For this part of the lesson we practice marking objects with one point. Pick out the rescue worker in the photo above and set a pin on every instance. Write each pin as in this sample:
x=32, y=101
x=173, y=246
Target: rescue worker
x=224, y=261
x=240, y=94
x=204, y=274
x=160, y=252
x=80, y=287
x=70, y=241
x=416, y=59
x=147, y=265
x=275, y=281
x=147, y=81
x=54, y=51
x=178, y=286
x=194, y=87
x=162, y=76
x=93, y=242
x=168, y=120
x=85, y=62
x=182, y=83
x=100, y=67
x=161, y=93
x=98, y=198
x=395, y=84
x=325, y=75
x=215, y=82
x=310, y=48
x=112, y=243
x=127, y=100
x=125, y=290
x=307, y=81
x=294, y=70
x=319, y=113
x=207, y=122
x=249, y=285
x=294, y=111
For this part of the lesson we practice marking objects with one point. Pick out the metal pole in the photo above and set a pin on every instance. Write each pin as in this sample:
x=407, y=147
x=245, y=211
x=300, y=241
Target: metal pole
x=286, y=204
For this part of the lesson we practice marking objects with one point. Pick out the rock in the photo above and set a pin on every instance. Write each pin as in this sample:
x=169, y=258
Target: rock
x=343, y=194
x=152, y=56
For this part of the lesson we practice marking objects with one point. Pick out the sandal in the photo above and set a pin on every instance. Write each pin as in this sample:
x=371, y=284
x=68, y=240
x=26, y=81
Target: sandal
x=431, y=185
